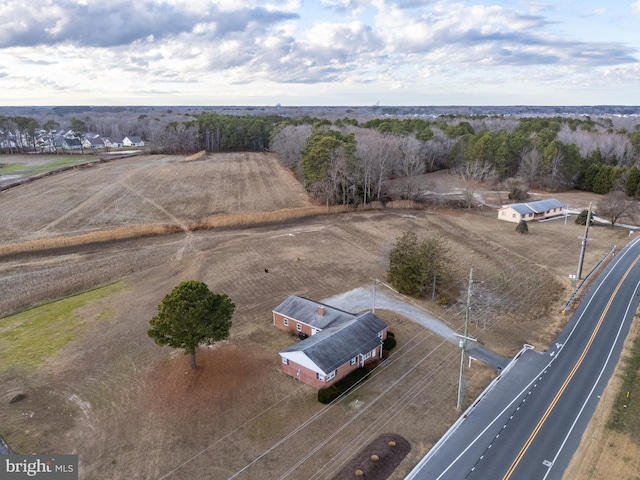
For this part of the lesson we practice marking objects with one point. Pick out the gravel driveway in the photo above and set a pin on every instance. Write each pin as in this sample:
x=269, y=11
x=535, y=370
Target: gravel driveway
x=362, y=298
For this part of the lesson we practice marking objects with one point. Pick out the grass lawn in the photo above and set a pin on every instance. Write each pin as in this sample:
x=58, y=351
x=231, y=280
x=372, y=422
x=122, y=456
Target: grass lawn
x=28, y=169
x=28, y=337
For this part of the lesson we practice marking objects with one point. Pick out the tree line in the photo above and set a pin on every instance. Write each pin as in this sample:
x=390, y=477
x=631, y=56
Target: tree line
x=346, y=161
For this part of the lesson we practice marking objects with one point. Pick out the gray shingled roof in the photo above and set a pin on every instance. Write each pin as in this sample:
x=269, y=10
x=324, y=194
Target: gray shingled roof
x=539, y=206
x=96, y=141
x=306, y=311
x=338, y=344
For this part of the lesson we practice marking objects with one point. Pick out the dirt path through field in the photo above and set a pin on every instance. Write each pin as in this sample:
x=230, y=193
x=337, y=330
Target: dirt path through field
x=131, y=409
x=107, y=191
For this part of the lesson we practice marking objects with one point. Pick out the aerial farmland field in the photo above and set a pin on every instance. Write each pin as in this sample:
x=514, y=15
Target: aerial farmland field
x=131, y=409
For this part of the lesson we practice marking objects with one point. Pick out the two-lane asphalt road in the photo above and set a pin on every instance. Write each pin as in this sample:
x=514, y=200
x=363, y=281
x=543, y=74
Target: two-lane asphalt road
x=529, y=422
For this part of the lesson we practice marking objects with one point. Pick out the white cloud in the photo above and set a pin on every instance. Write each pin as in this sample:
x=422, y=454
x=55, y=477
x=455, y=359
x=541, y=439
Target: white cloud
x=223, y=45
x=635, y=7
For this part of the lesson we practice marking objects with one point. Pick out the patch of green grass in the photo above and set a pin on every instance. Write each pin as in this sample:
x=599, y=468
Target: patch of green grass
x=625, y=415
x=28, y=338
x=55, y=163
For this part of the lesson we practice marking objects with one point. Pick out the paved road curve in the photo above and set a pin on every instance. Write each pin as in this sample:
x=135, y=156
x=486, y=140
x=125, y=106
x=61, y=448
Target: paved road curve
x=529, y=422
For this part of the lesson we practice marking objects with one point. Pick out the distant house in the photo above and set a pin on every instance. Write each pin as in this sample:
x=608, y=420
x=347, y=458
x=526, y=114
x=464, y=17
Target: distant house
x=93, y=143
x=111, y=142
x=132, y=141
x=58, y=141
x=71, y=143
x=7, y=141
x=540, y=210
x=334, y=342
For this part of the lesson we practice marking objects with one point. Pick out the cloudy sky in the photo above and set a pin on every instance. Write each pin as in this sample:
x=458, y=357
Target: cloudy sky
x=319, y=52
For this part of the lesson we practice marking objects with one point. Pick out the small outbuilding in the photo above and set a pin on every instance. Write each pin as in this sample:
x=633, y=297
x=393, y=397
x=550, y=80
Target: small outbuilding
x=539, y=210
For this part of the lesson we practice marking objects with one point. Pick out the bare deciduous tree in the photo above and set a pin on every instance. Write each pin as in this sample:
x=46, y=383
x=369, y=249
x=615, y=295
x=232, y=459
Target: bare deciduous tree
x=376, y=152
x=615, y=206
x=518, y=189
x=552, y=174
x=530, y=166
x=469, y=174
x=411, y=163
x=614, y=147
x=289, y=142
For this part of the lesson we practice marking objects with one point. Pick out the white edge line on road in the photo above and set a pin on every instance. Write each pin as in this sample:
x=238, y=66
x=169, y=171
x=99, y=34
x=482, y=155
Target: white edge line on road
x=412, y=474
x=595, y=384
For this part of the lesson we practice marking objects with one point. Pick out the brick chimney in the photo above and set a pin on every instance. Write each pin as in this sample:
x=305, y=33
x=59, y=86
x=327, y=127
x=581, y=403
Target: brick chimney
x=321, y=310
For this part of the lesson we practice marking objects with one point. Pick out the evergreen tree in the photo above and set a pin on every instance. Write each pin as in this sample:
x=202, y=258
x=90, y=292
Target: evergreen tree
x=192, y=315
x=522, y=227
x=633, y=181
x=417, y=267
x=404, y=265
x=581, y=219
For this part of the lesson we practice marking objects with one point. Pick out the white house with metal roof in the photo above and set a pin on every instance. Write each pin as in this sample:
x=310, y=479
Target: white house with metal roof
x=334, y=342
x=539, y=210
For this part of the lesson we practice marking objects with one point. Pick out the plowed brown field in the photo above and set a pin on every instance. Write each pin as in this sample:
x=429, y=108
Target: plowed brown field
x=144, y=190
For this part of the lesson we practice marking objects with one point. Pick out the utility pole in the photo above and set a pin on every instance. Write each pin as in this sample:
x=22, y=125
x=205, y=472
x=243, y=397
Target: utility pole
x=584, y=243
x=433, y=288
x=463, y=342
x=375, y=282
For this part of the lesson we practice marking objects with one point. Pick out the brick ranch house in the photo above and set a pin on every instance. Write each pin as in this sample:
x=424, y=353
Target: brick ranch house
x=540, y=210
x=334, y=342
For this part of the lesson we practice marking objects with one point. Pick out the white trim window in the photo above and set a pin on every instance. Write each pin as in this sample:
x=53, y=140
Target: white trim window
x=299, y=327
x=285, y=322
x=320, y=377
x=366, y=355
x=332, y=374
x=285, y=361
x=353, y=361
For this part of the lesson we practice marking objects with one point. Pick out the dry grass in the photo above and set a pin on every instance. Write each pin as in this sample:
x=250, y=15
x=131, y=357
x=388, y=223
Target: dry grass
x=195, y=156
x=147, y=190
x=281, y=216
x=113, y=235
x=122, y=403
x=247, y=219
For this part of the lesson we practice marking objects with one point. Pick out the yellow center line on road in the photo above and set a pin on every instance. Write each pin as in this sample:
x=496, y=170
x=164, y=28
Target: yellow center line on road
x=568, y=379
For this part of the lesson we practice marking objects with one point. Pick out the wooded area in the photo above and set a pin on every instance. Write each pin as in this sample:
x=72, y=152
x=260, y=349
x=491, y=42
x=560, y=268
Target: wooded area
x=351, y=160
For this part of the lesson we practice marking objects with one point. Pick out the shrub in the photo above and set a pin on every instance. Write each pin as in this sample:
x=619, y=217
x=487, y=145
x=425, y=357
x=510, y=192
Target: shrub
x=389, y=342
x=522, y=227
x=330, y=393
x=581, y=219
